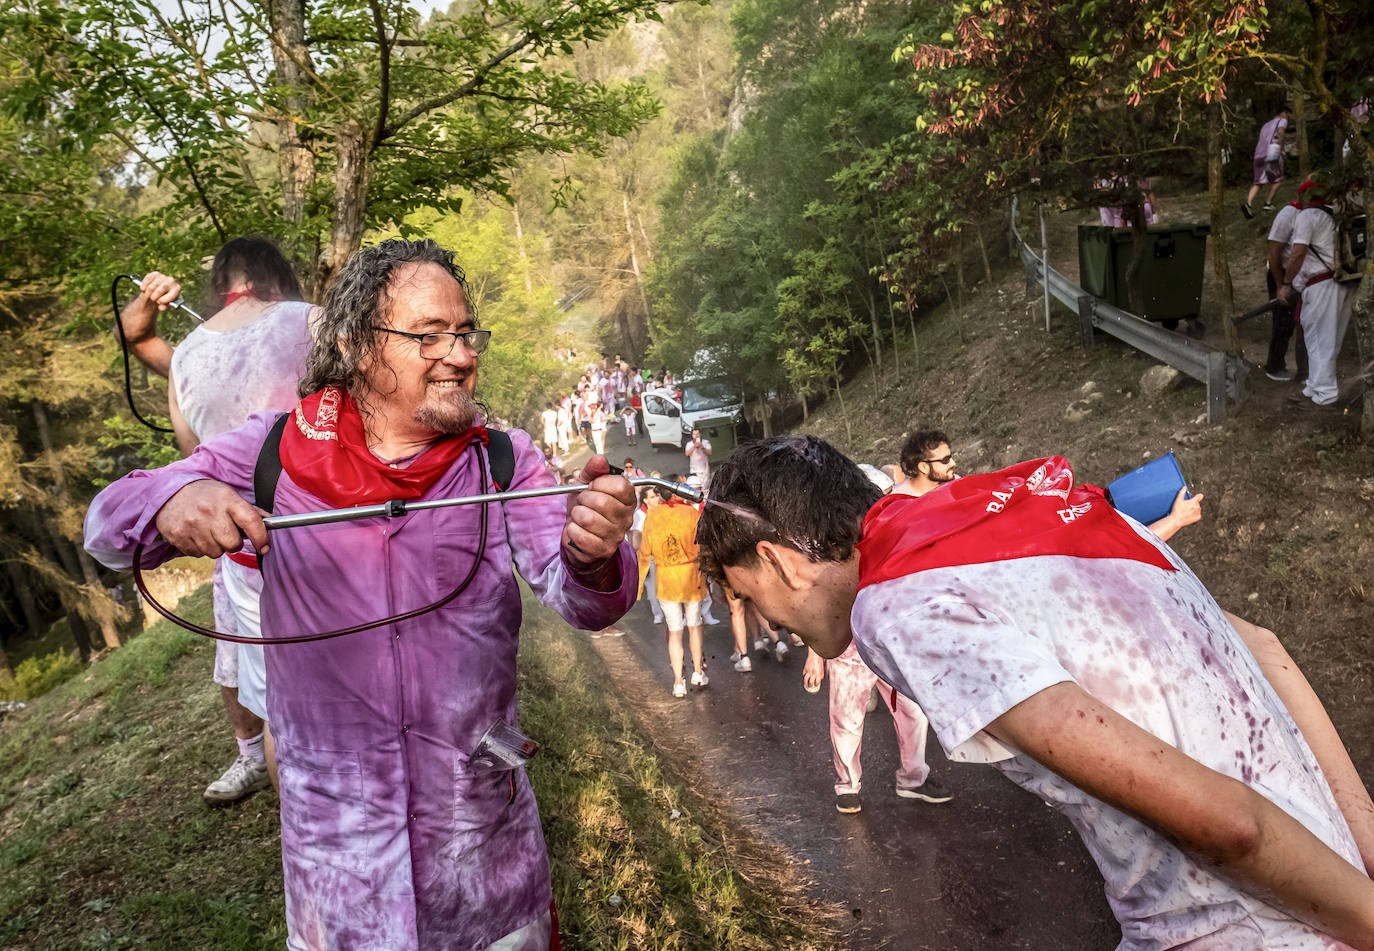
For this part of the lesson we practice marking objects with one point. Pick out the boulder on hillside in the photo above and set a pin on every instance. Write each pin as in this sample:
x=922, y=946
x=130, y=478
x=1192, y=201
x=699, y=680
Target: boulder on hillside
x=1158, y=379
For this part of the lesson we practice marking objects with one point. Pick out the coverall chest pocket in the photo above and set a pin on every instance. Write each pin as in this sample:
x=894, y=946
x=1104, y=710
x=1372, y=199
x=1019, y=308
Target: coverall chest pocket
x=455, y=554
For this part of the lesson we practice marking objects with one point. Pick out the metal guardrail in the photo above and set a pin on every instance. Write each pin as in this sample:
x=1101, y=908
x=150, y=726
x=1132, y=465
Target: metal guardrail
x=1224, y=374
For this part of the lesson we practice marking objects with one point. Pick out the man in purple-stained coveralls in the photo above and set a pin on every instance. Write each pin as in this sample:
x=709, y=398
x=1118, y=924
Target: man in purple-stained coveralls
x=391, y=840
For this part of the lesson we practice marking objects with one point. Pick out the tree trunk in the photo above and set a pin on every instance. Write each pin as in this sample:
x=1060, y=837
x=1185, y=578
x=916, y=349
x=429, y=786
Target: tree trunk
x=896, y=344
x=877, y=330
x=351, y=179
x=959, y=268
x=56, y=550
x=520, y=247
x=295, y=159
x=1221, y=266
x=1300, y=121
x=844, y=414
x=23, y=593
x=806, y=412
x=1362, y=309
x=134, y=602
x=868, y=352
x=915, y=348
x=954, y=312
x=81, y=634
x=983, y=250
x=765, y=418
x=634, y=265
x=88, y=569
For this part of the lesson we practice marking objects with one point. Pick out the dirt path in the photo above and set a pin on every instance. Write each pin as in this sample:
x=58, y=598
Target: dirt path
x=993, y=868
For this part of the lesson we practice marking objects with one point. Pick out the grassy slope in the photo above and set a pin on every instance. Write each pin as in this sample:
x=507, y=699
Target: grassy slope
x=1287, y=533
x=105, y=843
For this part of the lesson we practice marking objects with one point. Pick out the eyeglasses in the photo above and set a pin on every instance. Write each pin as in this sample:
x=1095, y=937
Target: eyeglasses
x=436, y=346
x=940, y=462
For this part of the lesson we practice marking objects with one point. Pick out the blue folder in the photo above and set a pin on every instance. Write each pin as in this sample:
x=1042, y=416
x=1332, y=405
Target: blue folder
x=1146, y=494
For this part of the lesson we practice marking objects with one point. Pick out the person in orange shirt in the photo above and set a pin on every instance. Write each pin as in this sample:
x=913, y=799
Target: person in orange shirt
x=670, y=531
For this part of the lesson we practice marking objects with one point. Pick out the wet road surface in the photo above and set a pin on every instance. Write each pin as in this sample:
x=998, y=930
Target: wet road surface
x=993, y=869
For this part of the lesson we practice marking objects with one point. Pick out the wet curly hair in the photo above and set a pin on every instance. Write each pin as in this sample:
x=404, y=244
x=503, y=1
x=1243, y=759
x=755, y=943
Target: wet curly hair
x=798, y=491
x=357, y=303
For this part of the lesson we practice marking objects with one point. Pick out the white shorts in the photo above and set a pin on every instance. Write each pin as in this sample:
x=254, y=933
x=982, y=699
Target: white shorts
x=675, y=613
x=242, y=591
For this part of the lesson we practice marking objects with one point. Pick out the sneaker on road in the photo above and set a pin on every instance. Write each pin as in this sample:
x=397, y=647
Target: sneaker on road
x=930, y=791
x=735, y=656
x=1246, y=210
x=744, y=665
x=760, y=643
x=709, y=621
x=848, y=803
x=679, y=689
x=658, y=619
x=1268, y=206
x=1279, y=376
x=699, y=678
x=780, y=651
x=245, y=777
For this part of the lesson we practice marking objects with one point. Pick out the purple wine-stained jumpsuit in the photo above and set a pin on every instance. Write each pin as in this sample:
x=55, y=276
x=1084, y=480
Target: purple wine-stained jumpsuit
x=389, y=842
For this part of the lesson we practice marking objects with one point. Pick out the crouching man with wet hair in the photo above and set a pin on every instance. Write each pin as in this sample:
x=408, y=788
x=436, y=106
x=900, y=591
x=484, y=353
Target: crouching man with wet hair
x=1051, y=637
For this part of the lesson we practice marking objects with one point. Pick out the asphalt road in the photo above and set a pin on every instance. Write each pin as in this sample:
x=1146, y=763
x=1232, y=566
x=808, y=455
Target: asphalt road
x=994, y=869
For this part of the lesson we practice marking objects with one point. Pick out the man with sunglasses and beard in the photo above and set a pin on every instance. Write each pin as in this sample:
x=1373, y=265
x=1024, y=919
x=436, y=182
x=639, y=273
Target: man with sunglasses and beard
x=927, y=463
x=394, y=834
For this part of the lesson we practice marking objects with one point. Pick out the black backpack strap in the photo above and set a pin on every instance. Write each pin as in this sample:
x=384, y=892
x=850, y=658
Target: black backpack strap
x=267, y=470
x=501, y=458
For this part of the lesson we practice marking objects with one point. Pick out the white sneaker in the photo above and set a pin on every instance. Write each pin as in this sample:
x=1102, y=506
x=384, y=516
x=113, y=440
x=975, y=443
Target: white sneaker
x=780, y=651
x=658, y=619
x=735, y=656
x=760, y=643
x=245, y=777
x=679, y=689
x=699, y=678
x=710, y=621
x=744, y=665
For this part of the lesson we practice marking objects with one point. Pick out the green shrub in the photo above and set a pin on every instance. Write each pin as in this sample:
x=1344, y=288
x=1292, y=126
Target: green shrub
x=37, y=675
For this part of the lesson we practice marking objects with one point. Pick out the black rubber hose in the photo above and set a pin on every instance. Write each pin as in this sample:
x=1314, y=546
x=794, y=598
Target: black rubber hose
x=124, y=348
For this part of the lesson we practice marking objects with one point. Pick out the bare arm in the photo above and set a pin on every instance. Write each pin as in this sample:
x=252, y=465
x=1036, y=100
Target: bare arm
x=1185, y=511
x=186, y=439
x=1222, y=822
x=139, y=322
x=1307, y=711
x=1276, y=260
x=1295, y=259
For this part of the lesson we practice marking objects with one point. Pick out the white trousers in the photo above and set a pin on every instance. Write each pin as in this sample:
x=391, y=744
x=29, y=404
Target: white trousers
x=1325, y=315
x=850, y=683
x=243, y=590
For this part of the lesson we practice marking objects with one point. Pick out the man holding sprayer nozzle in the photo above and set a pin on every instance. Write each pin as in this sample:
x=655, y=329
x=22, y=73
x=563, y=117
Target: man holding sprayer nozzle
x=393, y=826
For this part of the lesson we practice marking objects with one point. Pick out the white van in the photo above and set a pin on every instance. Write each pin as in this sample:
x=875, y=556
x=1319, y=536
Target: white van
x=670, y=422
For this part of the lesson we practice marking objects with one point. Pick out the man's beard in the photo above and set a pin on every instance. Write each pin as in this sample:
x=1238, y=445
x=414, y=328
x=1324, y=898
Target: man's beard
x=448, y=410
x=949, y=476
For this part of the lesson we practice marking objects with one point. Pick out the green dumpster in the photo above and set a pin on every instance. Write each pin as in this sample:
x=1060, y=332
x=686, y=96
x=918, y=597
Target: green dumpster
x=719, y=431
x=1170, y=273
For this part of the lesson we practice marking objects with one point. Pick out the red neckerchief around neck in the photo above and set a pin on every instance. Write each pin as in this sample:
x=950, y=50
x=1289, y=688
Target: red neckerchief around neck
x=324, y=450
